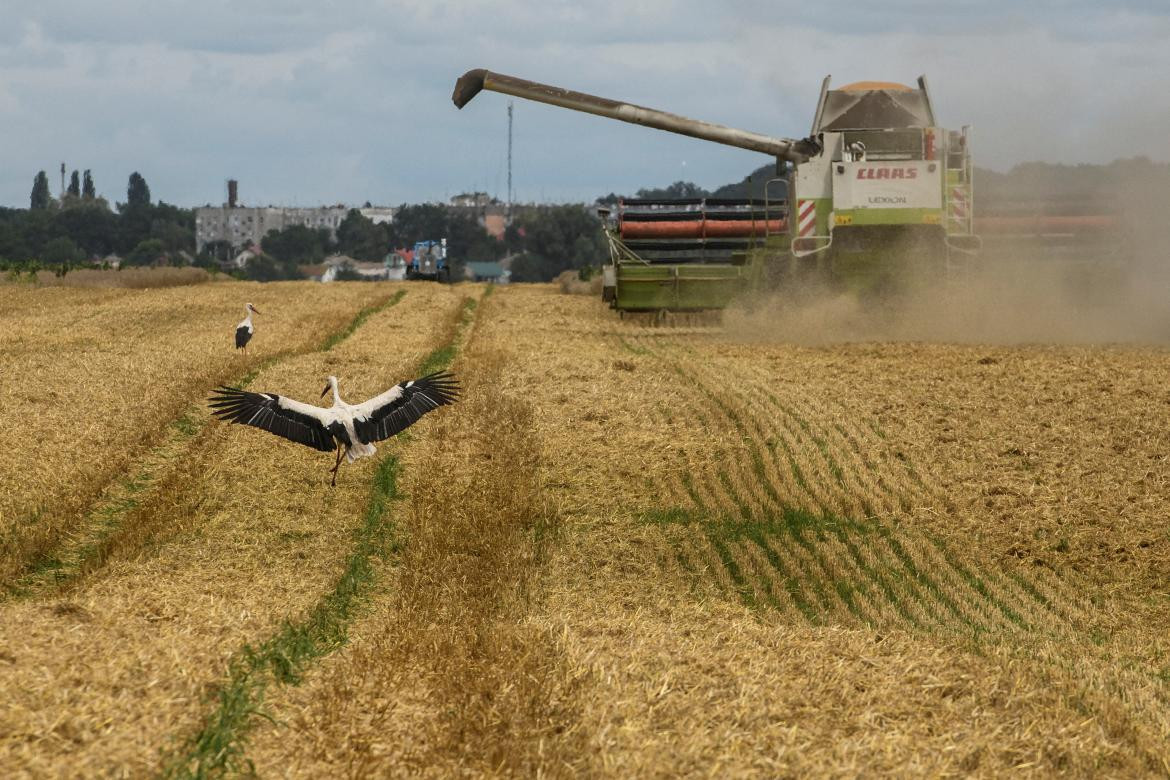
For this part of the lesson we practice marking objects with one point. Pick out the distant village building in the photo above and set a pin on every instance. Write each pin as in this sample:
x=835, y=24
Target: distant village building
x=242, y=226
x=490, y=213
x=495, y=220
x=469, y=200
x=241, y=259
x=379, y=215
x=334, y=264
x=245, y=225
x=487, y=272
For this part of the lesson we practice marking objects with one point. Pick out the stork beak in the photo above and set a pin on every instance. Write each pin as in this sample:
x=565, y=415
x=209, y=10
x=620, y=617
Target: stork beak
x=255, y=310
x=326, y=390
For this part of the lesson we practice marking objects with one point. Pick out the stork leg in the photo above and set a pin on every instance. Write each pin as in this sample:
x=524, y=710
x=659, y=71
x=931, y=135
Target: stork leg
x=337, y=465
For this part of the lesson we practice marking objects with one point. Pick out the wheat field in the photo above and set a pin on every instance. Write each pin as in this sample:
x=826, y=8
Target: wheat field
x=628, y=550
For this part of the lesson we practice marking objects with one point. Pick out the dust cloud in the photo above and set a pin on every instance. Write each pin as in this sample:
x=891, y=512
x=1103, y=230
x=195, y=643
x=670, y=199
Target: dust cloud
x=1090, y=289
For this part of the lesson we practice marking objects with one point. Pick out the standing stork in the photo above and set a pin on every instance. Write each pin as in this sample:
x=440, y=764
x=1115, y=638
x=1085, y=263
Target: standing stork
x=245, y=330
x=350, y=428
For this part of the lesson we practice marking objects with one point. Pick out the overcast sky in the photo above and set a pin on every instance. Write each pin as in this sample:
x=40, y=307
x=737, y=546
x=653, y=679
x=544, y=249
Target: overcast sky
x=350, y=101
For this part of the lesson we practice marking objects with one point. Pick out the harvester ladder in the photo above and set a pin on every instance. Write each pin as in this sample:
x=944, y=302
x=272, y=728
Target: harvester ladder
x=960, y=235
x=768, y=205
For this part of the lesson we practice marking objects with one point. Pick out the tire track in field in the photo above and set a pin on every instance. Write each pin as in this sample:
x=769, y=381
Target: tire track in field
x=796, y=502
x=185, y=448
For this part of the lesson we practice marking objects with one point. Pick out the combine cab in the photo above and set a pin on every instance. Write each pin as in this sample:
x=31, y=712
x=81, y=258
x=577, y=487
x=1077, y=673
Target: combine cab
x=878, y=192
x=889, y=196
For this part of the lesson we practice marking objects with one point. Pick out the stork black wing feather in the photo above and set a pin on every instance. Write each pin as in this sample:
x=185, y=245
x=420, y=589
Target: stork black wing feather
x=418, y=397
x=263, y=411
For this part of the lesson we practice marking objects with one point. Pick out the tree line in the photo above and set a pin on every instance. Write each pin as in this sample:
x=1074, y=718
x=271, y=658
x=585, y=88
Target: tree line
x=751, y=186
x=541, y=242
x=80, y=227
x=1133, y=186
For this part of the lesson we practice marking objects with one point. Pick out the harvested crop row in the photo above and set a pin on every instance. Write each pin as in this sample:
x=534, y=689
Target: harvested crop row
x=898, y=587
x=803, y=481
x=1047, y=455
x=726, y=487
x=744, y=489
x=784, y=582
x=251, y=538
x=806, y=428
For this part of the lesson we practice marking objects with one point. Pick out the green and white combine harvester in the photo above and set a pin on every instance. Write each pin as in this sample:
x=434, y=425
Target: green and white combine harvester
x=877, y=195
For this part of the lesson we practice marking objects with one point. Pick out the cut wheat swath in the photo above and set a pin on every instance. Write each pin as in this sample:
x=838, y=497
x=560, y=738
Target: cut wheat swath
x=351, y=429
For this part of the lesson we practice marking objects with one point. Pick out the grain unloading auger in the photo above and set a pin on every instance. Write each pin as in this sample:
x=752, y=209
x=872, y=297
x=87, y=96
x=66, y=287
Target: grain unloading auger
x=875, y=188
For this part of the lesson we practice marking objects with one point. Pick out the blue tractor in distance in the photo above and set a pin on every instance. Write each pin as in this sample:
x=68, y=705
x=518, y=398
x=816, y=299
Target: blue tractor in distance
x=429, y=261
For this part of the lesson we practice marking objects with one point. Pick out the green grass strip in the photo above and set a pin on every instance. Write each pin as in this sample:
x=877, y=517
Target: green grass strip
x=791, y=584
x=339, y=336
x=219, y=746
x=443, y=356
x=737, y=576
x=1029, y=587
x=876, y=576
x=975, y=582
x=928, y=589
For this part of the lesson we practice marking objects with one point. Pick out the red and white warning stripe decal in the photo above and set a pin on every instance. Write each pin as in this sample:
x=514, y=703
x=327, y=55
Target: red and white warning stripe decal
x=807, y=222
x=958, y=203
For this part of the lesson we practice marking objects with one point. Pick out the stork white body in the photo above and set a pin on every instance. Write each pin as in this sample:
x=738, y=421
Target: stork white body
x=345, y=415
x=245, y=330
x=351, y=428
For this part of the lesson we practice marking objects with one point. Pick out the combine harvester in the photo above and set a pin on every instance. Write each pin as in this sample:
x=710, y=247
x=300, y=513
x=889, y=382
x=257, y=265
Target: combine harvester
x=878, y=192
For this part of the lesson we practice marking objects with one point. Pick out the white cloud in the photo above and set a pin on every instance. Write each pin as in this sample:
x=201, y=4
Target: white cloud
x=350, y=101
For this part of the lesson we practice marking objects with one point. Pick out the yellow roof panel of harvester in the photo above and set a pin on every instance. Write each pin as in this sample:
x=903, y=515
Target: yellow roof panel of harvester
x=863, y=86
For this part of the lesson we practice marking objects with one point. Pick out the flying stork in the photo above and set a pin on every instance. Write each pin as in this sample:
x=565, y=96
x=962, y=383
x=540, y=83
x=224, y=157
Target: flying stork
x=351, y=428
x=245, y=330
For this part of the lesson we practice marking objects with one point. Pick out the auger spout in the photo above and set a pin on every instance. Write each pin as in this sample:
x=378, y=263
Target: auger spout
x=474, y=81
